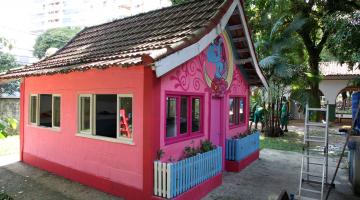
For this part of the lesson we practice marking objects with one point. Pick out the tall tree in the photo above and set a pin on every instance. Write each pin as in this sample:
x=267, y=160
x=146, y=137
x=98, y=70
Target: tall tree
x=8, y=61
x=314, y=35
x=56, y=38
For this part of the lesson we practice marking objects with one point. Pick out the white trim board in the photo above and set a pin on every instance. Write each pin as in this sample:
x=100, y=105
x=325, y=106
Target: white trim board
x=251, y=47
x=174, y=60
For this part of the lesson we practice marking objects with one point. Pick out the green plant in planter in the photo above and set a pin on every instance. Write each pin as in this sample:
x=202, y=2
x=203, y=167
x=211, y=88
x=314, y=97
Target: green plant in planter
x=159, y=154
x=206, y=146
x=190, y=151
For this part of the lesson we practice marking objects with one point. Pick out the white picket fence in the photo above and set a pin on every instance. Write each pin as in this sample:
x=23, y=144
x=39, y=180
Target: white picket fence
x=172, y=179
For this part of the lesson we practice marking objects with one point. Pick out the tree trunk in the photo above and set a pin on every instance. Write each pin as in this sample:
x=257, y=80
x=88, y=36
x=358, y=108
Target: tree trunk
x=314, y=100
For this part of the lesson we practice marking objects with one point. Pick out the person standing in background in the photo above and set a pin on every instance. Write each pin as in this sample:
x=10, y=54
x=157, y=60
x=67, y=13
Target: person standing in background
x=284, y=117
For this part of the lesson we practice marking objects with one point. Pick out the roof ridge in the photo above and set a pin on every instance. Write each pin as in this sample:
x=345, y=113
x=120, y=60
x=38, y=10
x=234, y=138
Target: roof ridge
x=108, y=41
x=149, y=12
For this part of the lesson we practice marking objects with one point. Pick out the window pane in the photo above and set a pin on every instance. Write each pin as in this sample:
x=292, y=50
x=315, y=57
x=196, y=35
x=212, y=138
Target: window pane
x=126, y=116
x=33, y=109
x=236, y=114
x=56, y=111
x=195, y=115
x=46, y=110
x=85, y=108
x=184, y=115
x=170, y=117
x=106, y=115
x=241, y=110
x=231, y=111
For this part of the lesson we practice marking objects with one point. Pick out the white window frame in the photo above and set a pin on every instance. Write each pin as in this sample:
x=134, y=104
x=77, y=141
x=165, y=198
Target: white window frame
x=37, y=123
x=37, y=111
x=118, y=136
x=92, y=133
x=91, y=114
x=52, y=114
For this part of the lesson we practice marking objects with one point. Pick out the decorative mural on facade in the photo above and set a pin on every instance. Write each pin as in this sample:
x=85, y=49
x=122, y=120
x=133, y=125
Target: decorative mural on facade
x=215, y=63
x=219, y=66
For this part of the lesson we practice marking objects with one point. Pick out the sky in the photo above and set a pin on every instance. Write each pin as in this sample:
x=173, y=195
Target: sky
x=14, y=25
x=15, y=22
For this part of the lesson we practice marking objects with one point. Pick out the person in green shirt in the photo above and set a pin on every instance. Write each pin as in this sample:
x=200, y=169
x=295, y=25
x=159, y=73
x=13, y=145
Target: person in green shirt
x=258, y=117
x=284, y=118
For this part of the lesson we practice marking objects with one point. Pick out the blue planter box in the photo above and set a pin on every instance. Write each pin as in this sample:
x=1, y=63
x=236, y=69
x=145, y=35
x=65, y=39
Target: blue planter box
x=173, y=179
x=238, y=149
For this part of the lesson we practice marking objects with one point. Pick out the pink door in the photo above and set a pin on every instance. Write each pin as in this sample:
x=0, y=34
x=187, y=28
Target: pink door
x=215, y=126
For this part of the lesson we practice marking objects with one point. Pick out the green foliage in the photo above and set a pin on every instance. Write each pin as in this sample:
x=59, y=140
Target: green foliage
x=56, y=38
x=5, y=43
x=8, y=61
x=205, y=146
x=355, y=82
x=345, y=42
x=159, y=154
x=292, y=33
x=7, y=126
x=4, y=196
x=176, y=2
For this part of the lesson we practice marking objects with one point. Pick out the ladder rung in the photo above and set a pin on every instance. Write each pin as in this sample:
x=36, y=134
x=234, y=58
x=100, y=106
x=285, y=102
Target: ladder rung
x=309, y=190
x=312, y=181
x=314, y=140
x=315, y=150
x=320, y=164
x=311, y=174
x=307, y=198
x=315, y=124
x=317, y=109
x=316, y=157
x=316, y=137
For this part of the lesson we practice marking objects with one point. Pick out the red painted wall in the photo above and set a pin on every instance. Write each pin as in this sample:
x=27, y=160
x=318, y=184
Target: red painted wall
x=117, y=162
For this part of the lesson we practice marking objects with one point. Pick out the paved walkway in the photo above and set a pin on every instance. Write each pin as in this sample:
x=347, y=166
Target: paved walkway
x=265, y=178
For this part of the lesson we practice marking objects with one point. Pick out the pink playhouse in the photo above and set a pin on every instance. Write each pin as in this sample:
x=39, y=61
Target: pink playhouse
x=118, y=105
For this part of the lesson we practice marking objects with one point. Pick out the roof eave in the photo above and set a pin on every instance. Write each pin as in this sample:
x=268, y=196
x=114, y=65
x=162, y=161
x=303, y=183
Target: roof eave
x=165, y=64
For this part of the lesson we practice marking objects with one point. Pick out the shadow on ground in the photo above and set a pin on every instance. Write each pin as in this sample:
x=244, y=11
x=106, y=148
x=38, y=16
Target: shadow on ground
x=24, y=182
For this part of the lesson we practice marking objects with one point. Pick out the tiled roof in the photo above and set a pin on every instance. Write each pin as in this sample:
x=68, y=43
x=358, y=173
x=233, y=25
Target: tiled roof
x=329, y=69
x=124, y=42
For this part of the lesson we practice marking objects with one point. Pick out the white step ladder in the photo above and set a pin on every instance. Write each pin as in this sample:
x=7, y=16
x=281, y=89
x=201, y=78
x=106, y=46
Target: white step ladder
x=314, y=162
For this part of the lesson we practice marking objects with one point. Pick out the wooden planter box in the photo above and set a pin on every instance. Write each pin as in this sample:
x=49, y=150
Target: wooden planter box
x=175, y=178
x=241, y=152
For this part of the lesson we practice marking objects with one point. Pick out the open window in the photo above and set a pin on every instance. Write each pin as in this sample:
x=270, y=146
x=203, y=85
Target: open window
x=45, y=110
x=106, y=115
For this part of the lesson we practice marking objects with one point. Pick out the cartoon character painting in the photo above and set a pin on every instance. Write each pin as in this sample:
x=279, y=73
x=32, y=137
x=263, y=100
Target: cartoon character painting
x=218, y=69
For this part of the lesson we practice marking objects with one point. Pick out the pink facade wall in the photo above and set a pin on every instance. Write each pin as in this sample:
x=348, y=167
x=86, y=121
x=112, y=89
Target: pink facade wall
x=118, y=162
x=190, y=78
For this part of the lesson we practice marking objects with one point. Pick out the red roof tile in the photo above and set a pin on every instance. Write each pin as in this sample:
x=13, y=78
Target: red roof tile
x=123, y=42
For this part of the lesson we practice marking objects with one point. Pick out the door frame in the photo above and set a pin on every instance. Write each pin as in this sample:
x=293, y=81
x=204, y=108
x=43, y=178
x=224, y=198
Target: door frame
x=222, y=121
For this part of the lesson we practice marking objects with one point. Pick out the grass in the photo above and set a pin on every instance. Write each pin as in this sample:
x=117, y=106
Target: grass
x=4, y=196
x=291, y=141
x=10, y=145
